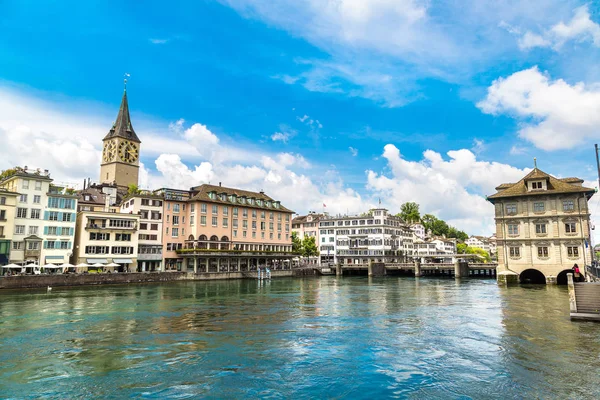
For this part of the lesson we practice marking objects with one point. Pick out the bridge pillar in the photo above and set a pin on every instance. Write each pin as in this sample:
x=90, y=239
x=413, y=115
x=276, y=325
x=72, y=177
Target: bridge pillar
x=461, y=269
x=370, y=268
x=338, y=269
x=417, y=268
x=550, y=280
x=507, y=277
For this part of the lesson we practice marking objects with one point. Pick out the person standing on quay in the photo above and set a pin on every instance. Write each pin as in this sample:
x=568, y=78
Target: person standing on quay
x=576, y=273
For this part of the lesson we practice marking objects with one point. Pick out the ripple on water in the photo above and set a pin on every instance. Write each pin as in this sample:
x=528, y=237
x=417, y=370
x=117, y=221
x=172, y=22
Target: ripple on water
x=306, y=338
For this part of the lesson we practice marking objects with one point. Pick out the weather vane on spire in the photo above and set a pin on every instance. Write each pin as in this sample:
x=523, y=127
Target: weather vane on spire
x=535, y=162
x=125, y=80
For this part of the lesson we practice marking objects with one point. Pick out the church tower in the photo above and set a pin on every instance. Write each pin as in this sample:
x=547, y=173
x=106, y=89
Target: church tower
x=121, y=150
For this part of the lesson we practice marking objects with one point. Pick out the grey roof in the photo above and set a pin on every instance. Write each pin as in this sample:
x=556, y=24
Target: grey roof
x=122, y=127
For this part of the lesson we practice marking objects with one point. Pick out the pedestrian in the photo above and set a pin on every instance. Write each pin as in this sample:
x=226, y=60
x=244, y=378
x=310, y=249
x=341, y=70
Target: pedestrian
x=576, y=273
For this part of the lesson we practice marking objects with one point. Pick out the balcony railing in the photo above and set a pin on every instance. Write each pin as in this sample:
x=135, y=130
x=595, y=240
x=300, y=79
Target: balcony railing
x=100, y=226
x=218, y=252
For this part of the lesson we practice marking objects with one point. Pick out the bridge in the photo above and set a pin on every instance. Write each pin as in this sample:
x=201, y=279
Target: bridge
x=457, y=269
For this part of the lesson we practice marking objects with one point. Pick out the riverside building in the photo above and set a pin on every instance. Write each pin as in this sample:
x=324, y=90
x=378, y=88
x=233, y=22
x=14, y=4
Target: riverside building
x=44, y=222
x=219, y=229
x=373, y=236
x=542, y=227
x=8, y=203
x=149, y=207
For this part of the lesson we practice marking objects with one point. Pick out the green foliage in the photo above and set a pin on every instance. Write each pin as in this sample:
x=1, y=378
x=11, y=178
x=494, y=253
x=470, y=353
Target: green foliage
x=8, y=173
x=133, y=189
x=409, y=212
x=439, y=227
x=462, y=248
x=309, y=247
x=296, y=243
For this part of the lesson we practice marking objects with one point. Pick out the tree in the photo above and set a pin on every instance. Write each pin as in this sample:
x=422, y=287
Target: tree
x=133, y=189
x=409, y=212
x=8, y=172
x=296, y=243
x=462, y=248
x=309, y=247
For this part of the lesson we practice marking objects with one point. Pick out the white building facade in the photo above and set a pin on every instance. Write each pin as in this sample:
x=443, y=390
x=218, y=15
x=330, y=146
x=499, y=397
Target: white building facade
x=149, y=207
x=374, y=236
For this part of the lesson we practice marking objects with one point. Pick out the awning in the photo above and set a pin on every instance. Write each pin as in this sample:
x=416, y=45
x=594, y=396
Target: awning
x=123, y=260
x=97, y=261
x=55, y=259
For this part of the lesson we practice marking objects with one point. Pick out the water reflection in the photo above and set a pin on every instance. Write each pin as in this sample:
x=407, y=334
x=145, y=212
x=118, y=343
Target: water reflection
x=353, y=337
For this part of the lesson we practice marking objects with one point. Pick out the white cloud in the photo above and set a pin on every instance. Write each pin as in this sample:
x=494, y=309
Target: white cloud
x=517, y=150
x=452, y=189
x=478, y=146
x=580, y=28
x=353, y=151
x=554, y=114
x=158, y=41
x=281, y=136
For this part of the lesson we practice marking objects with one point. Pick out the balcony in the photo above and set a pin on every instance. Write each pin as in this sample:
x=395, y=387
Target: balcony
x=114, y=228
x=234, y=253
x=32, y=253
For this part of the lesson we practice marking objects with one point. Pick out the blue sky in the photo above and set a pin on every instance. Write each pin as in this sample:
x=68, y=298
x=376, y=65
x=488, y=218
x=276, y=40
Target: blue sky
x=342, y=103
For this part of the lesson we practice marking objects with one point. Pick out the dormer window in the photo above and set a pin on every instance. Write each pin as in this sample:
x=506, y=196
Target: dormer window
x=223, y=197
x=212, y=195
x=537, y=185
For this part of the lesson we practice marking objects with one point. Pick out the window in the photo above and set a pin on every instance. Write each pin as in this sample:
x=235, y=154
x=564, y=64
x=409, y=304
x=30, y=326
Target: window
x=143, y=226
x=271, y=235
x=543, y=252
x=25, y=184
x=123, y=237
x=262, y=215
x=513, y=229
x=203, y=208
x=235, y=223
x=33, y=245
x=568, y=205
x=570, y=227
x=245, y=223
x=536, y=185
x=263, y=225
x=23, y=198
x=53, y=216
x=167, y=230
x=214, y=221
x=279, y=226
x=53, y=202
x=53, y=230
x=235, y=211
x=262, y=235
x=153, y=227
x=253, y=213
x=225, y=222
x=279, y=236
x=539, y=207
x=331, y=239
x=243, y=233
x=168, y=206
x=38, y=185
x=35, y=213
x=17, y=245
x=254, y=225
x=33, y=230
x=245, y=213
x=21, y=213
x=175, y=232
x=203, y=220
x=514, y=252
x=270, y=225
x=192, y=220
x=540, y=228
x=99, y=236
x=175, y=219
x=67, y=217
x=175, y=208
x=168, y=218
x=50, y=244
x=271, y=216
x=19, y=229
x=511, y=209
x=234, y=233
x=215, y=209
x=2, y=201
x=253, y=235
x=183, y=207
x=2, y=215
x=122, y=250
x=37, y=199
x=573, y=251
x=225, y=210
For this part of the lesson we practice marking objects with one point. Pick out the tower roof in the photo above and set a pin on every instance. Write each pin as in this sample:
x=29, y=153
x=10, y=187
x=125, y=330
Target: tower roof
x=122, y=127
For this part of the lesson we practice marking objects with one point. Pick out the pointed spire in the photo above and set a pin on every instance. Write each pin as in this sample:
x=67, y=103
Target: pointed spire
x=122, y=126
x=534, y=163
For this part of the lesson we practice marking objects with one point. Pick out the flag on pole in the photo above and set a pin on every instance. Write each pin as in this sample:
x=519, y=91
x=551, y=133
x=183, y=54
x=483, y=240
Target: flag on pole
x=324, y=205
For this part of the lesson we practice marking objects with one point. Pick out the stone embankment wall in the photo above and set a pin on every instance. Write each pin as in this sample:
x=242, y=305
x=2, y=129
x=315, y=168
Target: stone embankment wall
x=43, y=281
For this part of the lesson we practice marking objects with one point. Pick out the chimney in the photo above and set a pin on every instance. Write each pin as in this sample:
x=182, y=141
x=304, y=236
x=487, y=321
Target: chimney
x=26, y=168
x=219, y=184
x=84, y=184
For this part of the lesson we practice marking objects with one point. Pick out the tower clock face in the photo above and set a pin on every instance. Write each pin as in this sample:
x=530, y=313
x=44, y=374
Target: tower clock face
x=109, y=153
x=128, y=151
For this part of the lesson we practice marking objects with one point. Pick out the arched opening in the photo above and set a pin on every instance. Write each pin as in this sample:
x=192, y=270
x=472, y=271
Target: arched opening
x=214, y=238
x=224, y=239
x=561, y=278
x=202, y=237
x=532, y=276
x=191, y=237
x=225, y=243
